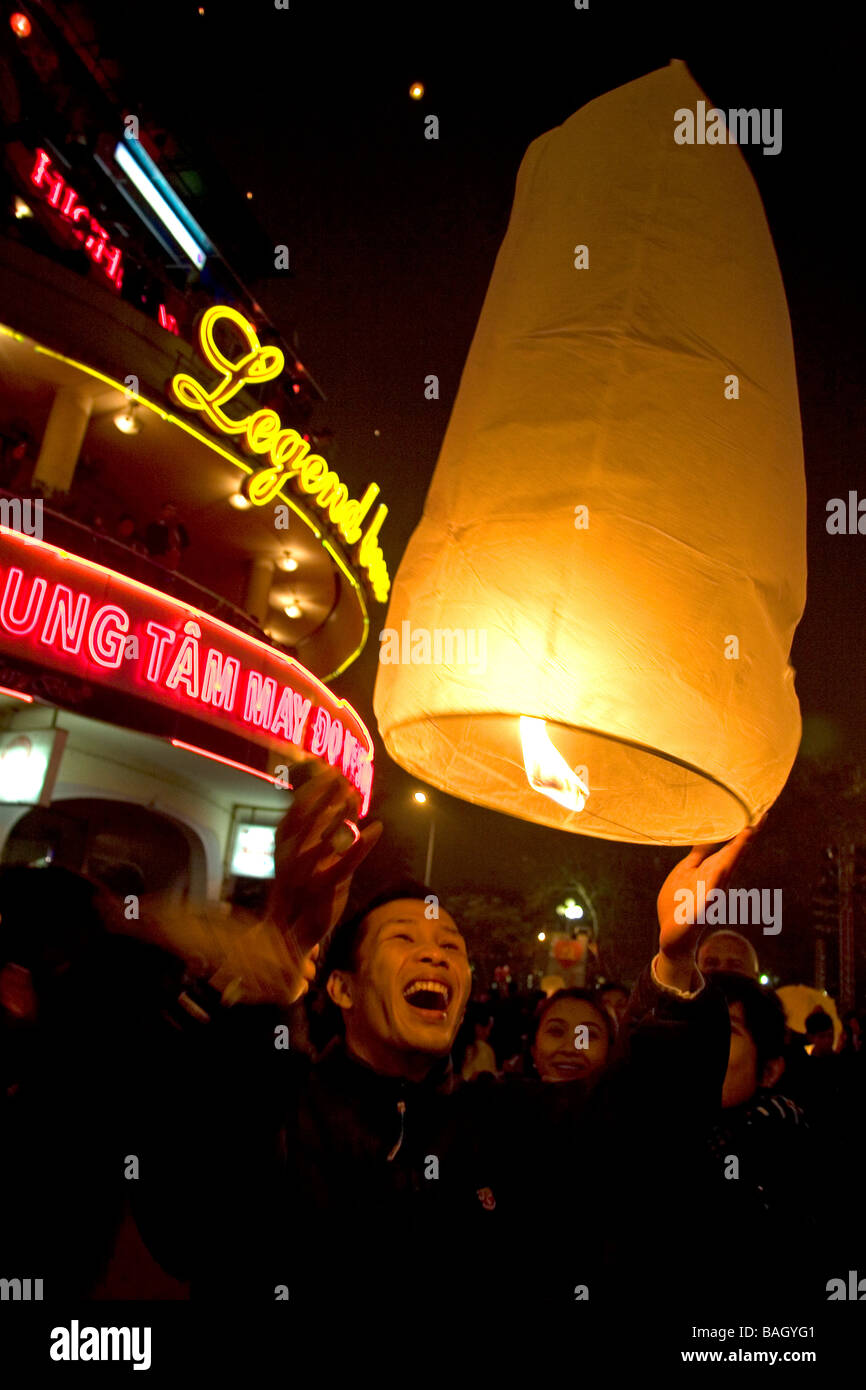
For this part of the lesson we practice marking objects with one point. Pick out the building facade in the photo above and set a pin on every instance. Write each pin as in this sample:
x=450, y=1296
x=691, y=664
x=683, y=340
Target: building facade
x=182, y=571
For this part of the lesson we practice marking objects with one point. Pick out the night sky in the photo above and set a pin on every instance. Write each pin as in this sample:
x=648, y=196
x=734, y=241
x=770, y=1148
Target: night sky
x=393, y=238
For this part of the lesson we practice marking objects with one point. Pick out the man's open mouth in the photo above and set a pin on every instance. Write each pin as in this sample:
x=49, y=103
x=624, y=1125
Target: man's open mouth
x=428, y=996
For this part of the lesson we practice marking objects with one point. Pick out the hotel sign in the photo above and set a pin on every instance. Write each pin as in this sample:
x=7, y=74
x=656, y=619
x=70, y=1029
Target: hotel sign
x=287, y=453
x=65, y=613
x=78, y=218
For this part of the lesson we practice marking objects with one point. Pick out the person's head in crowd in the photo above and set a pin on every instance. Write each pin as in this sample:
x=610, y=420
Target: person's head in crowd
x=472, y=1054
x=615, y=998
x=480, y=1016
x=572, y=1036
x=757, y=1037
x=399, y=972
x=852, y=1040
x=819, y=1033
x=729, y=951
x=49, y=924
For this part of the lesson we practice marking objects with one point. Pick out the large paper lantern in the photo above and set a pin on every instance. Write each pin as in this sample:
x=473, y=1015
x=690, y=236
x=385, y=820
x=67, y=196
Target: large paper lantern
x=611, y=561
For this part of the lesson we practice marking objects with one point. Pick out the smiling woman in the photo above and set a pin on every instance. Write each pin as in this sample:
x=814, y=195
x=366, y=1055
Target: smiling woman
x=573, y=1036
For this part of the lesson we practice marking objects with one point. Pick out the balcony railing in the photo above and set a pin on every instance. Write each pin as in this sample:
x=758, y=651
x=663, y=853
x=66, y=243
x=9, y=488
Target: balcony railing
x=82, y=540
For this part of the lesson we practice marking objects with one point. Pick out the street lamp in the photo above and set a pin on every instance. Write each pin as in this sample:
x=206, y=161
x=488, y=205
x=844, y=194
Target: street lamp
x=420, y=799
x=572, y=911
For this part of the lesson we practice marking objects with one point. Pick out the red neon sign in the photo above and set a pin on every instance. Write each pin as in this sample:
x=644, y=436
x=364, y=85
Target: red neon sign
x=64, y=200
x=168, y=320
x=61, y=611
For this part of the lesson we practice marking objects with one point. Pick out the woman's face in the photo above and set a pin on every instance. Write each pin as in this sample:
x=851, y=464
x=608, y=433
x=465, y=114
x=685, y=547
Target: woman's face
x=572, y=1041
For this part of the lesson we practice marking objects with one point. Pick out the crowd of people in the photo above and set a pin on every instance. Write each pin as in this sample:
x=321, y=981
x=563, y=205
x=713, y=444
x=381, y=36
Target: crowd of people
x=250, y=1108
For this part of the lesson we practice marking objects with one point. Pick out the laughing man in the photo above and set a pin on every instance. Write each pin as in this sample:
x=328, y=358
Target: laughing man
x=268, y=1177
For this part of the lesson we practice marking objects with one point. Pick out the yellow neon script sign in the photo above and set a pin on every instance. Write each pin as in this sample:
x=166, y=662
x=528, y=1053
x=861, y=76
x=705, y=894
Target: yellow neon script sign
x=289, y=454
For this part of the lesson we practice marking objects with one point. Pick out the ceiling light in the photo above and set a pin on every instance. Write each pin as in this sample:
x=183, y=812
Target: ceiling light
x=127, y=421
x=287, y=562
x=22, y=209
x=240, y=501
x=293, y=609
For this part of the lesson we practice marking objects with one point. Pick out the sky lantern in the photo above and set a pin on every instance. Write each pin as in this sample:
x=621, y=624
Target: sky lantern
x=592, y=622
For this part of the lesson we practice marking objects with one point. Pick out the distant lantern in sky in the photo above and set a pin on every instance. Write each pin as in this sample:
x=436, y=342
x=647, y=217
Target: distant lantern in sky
x=596, y=609
x=416, y=91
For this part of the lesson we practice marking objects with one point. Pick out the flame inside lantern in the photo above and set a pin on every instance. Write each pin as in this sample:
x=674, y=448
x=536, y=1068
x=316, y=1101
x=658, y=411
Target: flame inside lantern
x=546, y=769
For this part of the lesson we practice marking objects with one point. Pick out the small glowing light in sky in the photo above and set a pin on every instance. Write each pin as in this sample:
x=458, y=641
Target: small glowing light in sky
x=20, y=25
x=420, y=797
x=542, y=936
x=416, y=91
x=249, y=194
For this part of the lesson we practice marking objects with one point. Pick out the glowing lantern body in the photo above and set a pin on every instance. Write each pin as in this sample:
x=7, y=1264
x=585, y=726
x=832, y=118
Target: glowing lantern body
x=614, y=537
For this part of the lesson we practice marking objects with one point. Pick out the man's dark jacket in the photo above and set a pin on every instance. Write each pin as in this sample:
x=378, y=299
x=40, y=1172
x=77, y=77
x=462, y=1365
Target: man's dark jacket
x=266, y=1175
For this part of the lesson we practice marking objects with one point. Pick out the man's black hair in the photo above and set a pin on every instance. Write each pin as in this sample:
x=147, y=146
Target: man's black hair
x=763, y=1013
x=345, y=940
x=613, y=984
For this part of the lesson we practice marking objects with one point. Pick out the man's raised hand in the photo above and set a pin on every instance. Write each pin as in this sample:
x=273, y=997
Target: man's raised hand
x=274, y=959
x=312, y=881
x=712, y=865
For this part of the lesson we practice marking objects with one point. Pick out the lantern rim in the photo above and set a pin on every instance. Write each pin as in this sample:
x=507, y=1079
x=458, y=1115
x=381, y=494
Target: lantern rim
x=728, y=815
